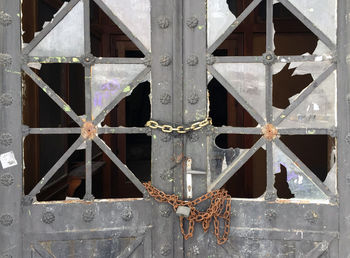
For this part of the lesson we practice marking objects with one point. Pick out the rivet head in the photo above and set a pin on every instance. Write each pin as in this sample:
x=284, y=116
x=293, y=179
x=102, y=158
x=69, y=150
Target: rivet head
x=194, y=136
x=87, y=60
x=6, y=220
x=165, y=99
x=5, y=59
x=5, y=18
x=88, y=215
x=127, y=214
x=192, y=60
x=48, y=217
x=211, y=59
x=312, y=217
x=6, y=99
x=193, y=98
x=6, y=139
x=270, y=214
x=165, y=60
x=165, y=211
x=192, y=22
x=147, y=61
x=165, y=250
x=269, y=58
x=6, y=179
x=163, y=22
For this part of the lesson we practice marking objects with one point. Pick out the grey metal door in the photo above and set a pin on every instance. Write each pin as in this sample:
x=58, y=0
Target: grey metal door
x=178, y=39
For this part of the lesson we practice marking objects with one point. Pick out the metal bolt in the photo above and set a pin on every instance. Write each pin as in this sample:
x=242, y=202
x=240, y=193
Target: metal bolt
x=6, y=139
x=194, y=136
x=88, y=215
x=127, y=214
x=6, y=220
x=192, y=22
x=5, y=18
x=312, y=217
x=6, y=99
x=192, y=60
x=270, y=214
x=164, y=210
x=269, y=58
x=165, y=250
x=163, y=22
x=193, y=98
x=6, y=179
x=48, y=217
x=211, y=59
x=165, y=60
x=165, y=99
x=147, y=61
x=5, y=59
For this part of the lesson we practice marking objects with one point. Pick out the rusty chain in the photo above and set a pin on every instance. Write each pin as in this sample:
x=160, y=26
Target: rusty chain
x=215, y=211
x=179, y=129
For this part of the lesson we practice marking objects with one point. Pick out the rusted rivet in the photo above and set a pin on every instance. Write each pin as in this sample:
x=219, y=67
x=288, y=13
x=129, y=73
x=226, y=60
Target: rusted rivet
x=48, y=217
x=6, y=179
x=312, y=217
x=5, y=18
x=211, y=59
x=194, y=136
x=6, y=99
x=192, y=60
x=5, y=59
x=269, y=131
x=165, y=60
x=193, y=98
x=89, y=130
x=165, y=250
x=192, y=22
x=270, y=214
x=164, y=210
x=88, y=215
x=127, y=214
x=6, y=139
x=6, y=220
x=165, y=99
x=269, y=58
x=163, y=22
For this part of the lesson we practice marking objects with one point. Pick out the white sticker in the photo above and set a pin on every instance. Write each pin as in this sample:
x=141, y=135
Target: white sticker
x=8, y=159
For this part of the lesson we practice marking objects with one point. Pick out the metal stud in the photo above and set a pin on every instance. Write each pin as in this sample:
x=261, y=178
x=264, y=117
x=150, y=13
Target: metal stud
x=5, y=59
x=194, y=136
x=48, y=217
x=87, y=60
x=195, y=250
x=6, y=139
x=127, y=214
x=163, y=22
x=165, y=60
x=6, y=99
x=270, y=214
x=6, y=179
x=192, y=22
x=269, y=58
x=6, y=220
x=211, y=59
x=193, y=98
x=164, y=210
x=165, y=99
x=5, y=18
x=312, y=217
x=192, y=60
x=147, y=61
x=88, y=215
x=165, y=250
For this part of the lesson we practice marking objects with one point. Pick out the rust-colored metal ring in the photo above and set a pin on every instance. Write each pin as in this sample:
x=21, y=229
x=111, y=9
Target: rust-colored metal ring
x=270, y=132
x=89, y=130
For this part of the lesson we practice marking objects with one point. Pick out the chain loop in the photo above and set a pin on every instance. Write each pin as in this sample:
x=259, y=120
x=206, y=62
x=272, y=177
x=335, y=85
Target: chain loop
x=179, y=129
x=215, y=211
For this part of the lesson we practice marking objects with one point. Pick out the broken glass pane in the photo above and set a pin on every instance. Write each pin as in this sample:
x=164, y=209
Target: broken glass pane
x=66, y=38
x=219, y=19
x=318, y=110
x=248, y=80
x=323, y=14
x=108, y=81
x=299, y=183
x=136, y=16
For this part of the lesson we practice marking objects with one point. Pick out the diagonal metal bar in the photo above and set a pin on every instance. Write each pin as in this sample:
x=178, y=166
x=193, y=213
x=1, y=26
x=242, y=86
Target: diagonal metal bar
x=123, y=130
x=138, y=79
x=308, y=24
x=233, y=26
x=55, y=167
x=238, y=59
x=303, y=95
x=131, y=247
x=122, y=26
x=237, y=130
x=40, y=250
x=236, y=95
x=88, y=171
x=237, y=164
x=60, y=15
x=73, y=130
x=57, y=99
x=304, y=168
x=127, y=172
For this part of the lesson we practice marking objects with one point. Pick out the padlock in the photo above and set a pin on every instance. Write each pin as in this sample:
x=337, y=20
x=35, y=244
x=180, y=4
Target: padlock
x=183, y=211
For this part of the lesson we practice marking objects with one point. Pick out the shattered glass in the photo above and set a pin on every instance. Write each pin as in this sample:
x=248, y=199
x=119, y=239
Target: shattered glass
x=318, y=110
x=299, y=183
x=58, y=42
x=248, y=79
x=108, y=81
x=136, y=16
x=323, y=14
x=219, y=19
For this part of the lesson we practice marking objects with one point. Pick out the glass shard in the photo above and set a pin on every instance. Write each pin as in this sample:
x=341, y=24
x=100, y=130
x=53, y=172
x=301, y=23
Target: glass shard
x=66, y=38
x=136, y=16
x=299, y=183
x=108, y=81
x=323, y=14
x=318, y=110
x=248, y=80
x=219, y=19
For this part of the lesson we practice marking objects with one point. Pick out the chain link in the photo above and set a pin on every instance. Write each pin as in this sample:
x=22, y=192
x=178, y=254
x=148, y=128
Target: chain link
x=179, y=129
x=216, y=210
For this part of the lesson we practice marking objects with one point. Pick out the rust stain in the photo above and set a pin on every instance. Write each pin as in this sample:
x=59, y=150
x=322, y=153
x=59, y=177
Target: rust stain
x=88, y=131
x=270, y=132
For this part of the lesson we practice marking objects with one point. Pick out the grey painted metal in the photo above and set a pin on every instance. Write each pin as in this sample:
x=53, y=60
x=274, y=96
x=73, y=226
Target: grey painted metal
x=74, y=130
x=237, y=130
x=343, y=48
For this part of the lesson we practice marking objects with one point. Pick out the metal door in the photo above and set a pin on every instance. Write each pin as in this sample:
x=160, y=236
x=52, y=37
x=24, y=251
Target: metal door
x=178, y=39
